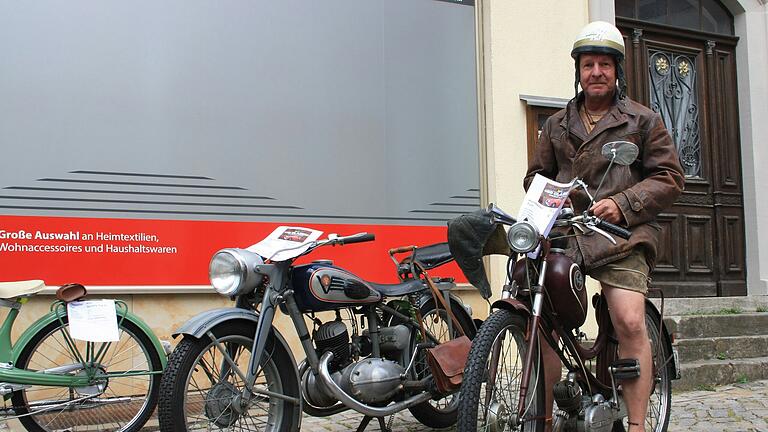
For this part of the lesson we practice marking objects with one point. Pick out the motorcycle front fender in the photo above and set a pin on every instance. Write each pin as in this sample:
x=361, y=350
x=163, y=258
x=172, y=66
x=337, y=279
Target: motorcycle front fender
x=200, y=324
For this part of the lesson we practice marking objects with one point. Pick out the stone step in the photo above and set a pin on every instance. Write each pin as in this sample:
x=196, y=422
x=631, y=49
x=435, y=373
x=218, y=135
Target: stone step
x=709, y=305
x=705, y=374
x=722, y=348
x=712, y=326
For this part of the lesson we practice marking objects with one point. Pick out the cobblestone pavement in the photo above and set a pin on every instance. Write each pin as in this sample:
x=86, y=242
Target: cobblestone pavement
x=731, y=408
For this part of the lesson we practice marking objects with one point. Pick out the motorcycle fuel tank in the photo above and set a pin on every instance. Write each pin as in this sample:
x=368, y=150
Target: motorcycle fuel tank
x=320, y=286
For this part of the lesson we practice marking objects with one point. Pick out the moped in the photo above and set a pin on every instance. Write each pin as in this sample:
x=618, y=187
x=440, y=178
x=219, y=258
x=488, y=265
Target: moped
x=51, y=381
x=545, y=302
x=365, y=351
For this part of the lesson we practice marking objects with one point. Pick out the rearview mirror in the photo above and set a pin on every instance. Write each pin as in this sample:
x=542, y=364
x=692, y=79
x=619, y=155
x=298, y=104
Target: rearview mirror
x=620, y=152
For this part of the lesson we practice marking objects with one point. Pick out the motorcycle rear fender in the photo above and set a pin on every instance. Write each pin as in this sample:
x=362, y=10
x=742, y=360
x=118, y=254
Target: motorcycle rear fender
x=455, y=300
x=666, y=338
x=59, y=312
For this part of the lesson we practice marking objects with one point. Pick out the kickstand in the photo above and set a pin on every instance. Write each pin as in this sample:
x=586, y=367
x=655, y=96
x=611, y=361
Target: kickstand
x=367, y=419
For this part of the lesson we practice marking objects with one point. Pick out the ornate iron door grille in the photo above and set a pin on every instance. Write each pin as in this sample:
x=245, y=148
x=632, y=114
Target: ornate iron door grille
x=673, y=96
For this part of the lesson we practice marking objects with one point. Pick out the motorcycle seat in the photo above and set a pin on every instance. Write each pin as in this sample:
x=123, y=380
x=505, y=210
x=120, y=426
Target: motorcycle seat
x=431, y=256
x=398, y=289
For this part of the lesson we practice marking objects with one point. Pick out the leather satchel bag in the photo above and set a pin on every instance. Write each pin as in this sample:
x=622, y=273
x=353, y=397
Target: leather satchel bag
x=447, y=362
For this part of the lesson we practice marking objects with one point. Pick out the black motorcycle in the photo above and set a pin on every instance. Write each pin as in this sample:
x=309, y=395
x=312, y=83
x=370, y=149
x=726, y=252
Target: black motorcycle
x=366, y=350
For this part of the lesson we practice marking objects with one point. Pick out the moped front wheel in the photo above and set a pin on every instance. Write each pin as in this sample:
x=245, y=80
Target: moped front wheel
x=490, y=392
x=123, y=393
x=201, y=391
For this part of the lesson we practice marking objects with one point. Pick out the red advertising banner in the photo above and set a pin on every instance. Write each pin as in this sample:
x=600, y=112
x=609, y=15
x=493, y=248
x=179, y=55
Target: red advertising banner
x=125, y=252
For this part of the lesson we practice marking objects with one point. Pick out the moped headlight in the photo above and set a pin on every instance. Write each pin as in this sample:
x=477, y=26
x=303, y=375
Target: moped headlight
x=523, y=237
x=231, y=271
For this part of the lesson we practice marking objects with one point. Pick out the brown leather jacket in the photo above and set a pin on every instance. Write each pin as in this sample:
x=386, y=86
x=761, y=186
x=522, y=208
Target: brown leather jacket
x=642, y=190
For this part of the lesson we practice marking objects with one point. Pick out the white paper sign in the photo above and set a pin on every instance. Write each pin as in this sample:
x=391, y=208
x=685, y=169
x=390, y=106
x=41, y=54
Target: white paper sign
x=93, y=320
x=542, y=204
x=285, y=243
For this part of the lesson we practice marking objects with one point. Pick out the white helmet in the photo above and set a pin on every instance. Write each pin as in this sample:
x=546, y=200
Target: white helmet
x=599, y=37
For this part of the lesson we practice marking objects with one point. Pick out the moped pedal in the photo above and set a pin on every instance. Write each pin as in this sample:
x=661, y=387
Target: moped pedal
x=625, y=369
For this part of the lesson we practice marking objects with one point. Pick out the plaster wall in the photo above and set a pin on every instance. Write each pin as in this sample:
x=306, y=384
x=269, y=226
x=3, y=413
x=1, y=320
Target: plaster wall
x=751, y=25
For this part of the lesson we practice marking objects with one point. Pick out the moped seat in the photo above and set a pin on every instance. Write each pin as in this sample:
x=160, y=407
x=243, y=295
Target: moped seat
x=9, y=290
x=431, y=256
x=399, y=289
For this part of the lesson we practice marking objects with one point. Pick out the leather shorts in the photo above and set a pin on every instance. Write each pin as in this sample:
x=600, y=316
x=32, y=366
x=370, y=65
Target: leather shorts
x=629, y=273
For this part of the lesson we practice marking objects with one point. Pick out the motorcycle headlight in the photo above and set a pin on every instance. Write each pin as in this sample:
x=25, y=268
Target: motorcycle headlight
x=523, y=237
x=231, y=271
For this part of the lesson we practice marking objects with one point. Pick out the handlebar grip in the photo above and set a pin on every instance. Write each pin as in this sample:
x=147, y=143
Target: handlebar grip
x=358, y=238
x=401, y=249
x=614, y=229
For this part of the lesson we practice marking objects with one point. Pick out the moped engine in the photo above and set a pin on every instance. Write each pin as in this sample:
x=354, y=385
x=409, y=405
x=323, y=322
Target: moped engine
x=600, y=415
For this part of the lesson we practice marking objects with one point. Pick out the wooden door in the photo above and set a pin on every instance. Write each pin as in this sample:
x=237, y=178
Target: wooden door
x=689, y=78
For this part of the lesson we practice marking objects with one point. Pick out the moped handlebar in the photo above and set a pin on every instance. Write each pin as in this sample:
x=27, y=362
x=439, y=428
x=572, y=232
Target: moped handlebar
x=613, y=229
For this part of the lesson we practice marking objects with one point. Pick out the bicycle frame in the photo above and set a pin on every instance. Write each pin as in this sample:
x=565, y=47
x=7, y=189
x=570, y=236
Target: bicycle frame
x=10, y=352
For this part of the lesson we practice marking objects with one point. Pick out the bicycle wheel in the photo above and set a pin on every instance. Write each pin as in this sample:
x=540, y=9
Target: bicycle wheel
x=111, y=403
x=660, y=400
x=200, y=391
x=439, y=413
x=490, y=391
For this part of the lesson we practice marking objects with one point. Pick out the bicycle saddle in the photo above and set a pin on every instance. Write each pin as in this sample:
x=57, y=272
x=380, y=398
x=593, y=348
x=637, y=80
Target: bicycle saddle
x=71, y=292
x=21, y=288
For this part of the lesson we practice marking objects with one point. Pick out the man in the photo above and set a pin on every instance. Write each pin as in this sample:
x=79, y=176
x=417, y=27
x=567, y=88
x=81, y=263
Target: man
x=632, y=196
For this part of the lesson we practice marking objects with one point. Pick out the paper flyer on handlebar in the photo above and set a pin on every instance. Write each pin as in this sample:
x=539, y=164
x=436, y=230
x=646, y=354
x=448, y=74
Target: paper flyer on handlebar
x=285, y=242
x=543, y=202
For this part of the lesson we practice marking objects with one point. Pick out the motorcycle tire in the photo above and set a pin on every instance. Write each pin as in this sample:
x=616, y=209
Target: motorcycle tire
x=490, y=403
x=111, y=407
x=660, y=400
x=443, y=412
x=198, y=386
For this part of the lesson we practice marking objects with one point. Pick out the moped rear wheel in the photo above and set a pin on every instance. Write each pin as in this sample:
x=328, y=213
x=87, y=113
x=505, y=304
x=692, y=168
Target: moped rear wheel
x=490, y=391
x=200, y=391
x=660, y=400
x=112, y=403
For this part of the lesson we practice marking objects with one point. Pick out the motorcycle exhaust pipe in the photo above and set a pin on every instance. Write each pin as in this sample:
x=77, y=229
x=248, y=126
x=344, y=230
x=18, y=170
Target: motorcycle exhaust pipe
x=343, y=397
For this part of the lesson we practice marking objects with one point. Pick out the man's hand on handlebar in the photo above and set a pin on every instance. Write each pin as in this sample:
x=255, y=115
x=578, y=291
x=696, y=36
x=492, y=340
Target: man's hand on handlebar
x=607, y=210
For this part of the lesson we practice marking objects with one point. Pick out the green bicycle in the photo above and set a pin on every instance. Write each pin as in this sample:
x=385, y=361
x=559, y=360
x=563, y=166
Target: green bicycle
x=52, y=382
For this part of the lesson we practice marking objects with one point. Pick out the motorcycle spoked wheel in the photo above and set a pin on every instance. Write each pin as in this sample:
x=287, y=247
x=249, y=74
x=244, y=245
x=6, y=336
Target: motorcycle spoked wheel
x=199, y=388
x=492, y=404
x=660, y=400
x=440, y=413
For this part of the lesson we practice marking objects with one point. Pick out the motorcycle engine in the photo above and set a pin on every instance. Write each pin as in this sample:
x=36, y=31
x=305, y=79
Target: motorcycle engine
x=370, y=380
x=334, y=337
